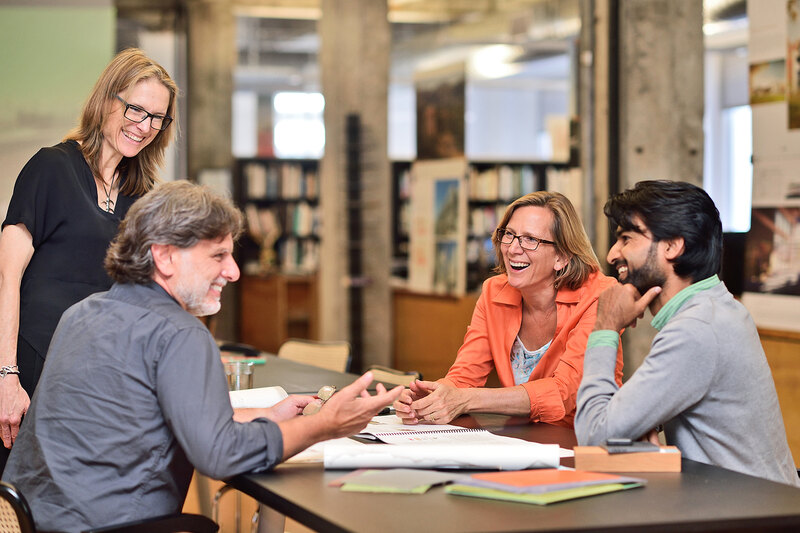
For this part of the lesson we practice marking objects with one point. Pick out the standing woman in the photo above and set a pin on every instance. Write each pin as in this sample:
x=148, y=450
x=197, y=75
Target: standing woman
x=530, y=324
x=67, y=203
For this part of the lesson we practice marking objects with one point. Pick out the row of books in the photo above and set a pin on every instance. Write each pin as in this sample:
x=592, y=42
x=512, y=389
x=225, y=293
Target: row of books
x=300, y=219
x=483, y=220
x=279, y=180
x=300, y=256
x=501, y=183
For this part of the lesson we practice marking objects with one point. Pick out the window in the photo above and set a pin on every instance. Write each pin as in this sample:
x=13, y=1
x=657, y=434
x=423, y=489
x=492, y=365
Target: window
x=728, y=168
x=298, y=130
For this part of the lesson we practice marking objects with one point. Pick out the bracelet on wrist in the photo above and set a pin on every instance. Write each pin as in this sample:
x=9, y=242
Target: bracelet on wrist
x=8, y=369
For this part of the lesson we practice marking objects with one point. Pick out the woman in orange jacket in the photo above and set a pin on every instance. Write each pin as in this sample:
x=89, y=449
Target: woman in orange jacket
x=531, y=323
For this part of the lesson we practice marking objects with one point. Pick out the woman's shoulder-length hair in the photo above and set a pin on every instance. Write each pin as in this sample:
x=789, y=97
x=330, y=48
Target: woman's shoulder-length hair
x=128, y=68
x=569, y=236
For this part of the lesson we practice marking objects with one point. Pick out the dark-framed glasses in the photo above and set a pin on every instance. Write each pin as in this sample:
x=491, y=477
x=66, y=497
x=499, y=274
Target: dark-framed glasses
x=134, y=113
x=525, y=241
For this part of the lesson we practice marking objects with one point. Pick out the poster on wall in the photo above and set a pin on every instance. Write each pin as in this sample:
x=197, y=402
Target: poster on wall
x=767, y=82
x=441, y=96
x=438, y=229
x=793, y=61
x=772, y=258
x=772, y=249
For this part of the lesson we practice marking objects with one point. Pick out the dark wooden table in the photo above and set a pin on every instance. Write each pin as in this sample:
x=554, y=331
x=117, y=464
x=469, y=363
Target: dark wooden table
x=701, y=498
x=297, y=378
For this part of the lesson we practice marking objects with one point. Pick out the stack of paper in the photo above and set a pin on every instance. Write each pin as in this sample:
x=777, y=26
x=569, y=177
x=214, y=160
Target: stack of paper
x=437, y=446
x=541, y=486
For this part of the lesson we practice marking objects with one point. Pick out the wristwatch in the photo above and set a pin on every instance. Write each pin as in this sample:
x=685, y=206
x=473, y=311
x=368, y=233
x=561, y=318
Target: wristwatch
x=8, y=369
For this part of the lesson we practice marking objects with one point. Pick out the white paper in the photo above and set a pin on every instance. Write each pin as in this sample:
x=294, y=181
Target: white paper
x=260, y=397
x=497, y=453
x=393, y=424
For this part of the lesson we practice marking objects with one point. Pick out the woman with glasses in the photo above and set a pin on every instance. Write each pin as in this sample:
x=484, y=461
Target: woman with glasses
x=530, y=324
x=67, y=203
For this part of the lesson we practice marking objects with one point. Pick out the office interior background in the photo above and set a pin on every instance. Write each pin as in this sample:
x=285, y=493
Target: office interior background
x=316, y=116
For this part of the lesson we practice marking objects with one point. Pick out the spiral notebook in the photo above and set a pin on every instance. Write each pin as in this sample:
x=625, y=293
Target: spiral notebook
x=391, y=430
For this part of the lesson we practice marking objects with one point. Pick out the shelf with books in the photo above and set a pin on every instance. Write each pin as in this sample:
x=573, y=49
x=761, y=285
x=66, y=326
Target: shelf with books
x=490, y=187
x=281, y=201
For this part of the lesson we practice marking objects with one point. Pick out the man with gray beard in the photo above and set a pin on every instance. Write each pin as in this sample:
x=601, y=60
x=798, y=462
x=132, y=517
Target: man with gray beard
x=133, y=396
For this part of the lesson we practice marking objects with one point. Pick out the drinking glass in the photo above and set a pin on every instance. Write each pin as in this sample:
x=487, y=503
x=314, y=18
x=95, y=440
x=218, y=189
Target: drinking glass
x=240, y=375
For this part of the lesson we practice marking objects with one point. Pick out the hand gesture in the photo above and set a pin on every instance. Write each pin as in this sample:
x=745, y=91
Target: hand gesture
x=402, y=406
x=350, y=410
x=438, y=403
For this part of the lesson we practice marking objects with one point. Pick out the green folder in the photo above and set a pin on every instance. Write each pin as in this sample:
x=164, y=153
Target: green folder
x=539, y=499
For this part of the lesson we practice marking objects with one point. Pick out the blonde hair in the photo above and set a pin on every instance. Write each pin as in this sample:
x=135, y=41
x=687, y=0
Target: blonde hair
x=568, y=234
x=128, y=68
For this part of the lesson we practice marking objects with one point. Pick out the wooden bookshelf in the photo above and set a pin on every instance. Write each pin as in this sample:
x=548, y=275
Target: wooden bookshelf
x=277, y=307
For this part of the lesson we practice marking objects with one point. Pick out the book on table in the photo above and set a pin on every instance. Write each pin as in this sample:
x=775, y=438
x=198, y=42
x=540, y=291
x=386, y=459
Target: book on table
x=541, y=487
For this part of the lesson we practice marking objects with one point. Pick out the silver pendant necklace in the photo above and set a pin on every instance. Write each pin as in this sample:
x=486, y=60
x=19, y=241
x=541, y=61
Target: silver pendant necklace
x=108, y=201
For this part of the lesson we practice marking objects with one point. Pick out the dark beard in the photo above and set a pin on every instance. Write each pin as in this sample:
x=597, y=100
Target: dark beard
x=646, y=276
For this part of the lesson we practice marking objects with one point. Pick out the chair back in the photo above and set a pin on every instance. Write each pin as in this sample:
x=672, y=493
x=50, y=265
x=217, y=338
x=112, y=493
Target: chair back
x=333, y=355
x=15, y=515
x=392, y=376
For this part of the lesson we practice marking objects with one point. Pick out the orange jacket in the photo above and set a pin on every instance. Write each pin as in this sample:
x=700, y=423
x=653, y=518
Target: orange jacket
x=553, y=385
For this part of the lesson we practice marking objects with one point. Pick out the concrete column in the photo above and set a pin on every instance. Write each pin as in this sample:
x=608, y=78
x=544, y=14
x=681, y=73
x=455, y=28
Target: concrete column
x=211, y=51
x=594, y=97
x=211, y=58
x=354, y=62
x=660, y=116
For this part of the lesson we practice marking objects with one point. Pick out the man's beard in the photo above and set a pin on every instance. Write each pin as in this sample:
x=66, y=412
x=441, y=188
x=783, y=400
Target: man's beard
x=194, y=295
x=646, y=276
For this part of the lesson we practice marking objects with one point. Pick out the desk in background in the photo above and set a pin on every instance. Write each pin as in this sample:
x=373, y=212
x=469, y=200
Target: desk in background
x=701, y=498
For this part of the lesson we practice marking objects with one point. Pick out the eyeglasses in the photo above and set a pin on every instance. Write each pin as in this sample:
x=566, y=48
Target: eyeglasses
x=526, y=241
x=134, y=113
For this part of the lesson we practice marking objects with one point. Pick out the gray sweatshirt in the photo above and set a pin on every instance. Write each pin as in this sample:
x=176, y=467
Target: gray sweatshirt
x=706, y=379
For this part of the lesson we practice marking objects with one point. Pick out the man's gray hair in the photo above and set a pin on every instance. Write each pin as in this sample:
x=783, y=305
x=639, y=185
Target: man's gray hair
x=179, y=213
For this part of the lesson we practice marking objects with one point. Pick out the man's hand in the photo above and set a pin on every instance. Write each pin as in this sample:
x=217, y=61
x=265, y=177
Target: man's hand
x=349, y=411
x=346, y=413
x=621, y=305
x=14, y=402
x=651, y=437
x=289, y=407
x=439, y=403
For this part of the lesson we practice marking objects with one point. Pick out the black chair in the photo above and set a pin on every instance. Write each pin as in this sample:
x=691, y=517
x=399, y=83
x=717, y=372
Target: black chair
x=16, y=517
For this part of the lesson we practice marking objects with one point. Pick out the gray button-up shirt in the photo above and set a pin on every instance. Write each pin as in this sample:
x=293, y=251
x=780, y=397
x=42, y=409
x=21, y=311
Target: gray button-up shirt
x=132, y=397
